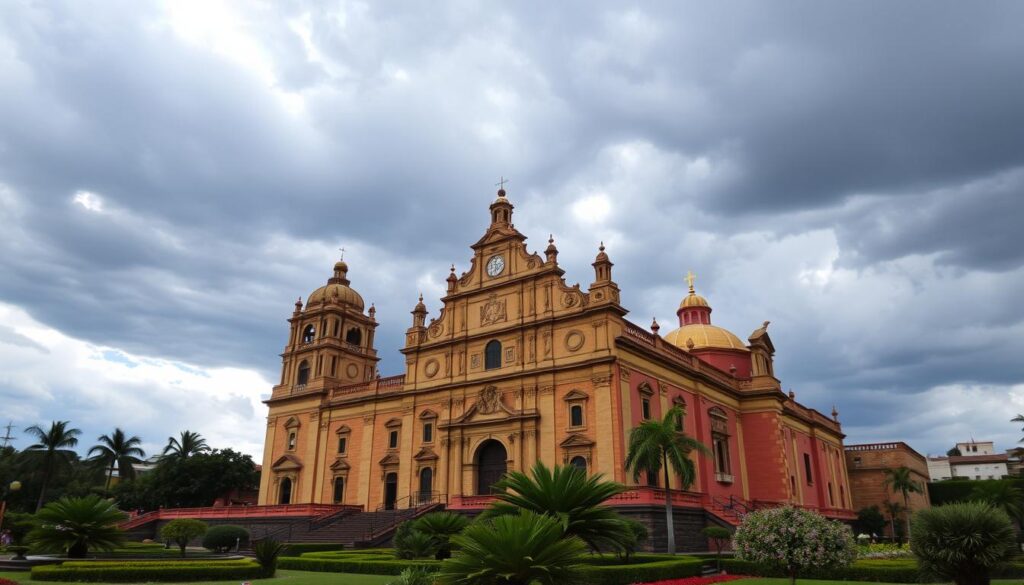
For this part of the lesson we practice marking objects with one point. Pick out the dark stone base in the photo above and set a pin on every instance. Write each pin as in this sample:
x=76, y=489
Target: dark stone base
x=687, y=522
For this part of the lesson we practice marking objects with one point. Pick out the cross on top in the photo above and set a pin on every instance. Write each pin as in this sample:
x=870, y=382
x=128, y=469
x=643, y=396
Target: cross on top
x=501, y=184
x=342, y=250
x=690, y=278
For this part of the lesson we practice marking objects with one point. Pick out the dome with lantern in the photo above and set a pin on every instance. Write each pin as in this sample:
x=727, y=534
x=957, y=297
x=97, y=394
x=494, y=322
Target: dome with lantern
x=337, y=289
x=695, y=330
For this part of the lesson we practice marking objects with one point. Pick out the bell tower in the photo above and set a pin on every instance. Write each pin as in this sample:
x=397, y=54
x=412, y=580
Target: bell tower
x=331, y=339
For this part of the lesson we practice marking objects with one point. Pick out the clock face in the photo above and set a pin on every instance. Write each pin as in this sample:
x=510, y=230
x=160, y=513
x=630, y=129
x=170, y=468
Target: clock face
x=495, y=265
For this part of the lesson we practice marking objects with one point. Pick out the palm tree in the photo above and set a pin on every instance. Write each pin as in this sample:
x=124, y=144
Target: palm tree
x=189, y=445
x=567, y=494
x=53, y=446
x=120, y=451
x=76, y=524
x=517, y=549
x=900, y=480
x=1000, y=494
x=895, y=510
x=656, y=446
x=1019, y=451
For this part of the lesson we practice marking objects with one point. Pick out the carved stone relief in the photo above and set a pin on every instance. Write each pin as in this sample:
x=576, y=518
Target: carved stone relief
x=493, y=311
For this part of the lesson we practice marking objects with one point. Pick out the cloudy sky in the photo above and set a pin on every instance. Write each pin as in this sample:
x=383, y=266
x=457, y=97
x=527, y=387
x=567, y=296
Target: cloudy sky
x=173, y=175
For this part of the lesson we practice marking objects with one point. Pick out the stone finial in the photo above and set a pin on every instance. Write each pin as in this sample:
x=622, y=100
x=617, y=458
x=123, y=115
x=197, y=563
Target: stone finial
x=792, y=395
x=654, y=326
x=835, y=413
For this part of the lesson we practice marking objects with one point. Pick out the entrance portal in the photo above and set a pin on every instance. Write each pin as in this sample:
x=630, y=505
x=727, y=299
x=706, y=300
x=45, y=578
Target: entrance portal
x=390, y=491
x=491, y=465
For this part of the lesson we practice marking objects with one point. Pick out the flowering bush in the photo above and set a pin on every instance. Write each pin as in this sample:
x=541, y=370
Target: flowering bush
x=7, y=581
x=793, y=540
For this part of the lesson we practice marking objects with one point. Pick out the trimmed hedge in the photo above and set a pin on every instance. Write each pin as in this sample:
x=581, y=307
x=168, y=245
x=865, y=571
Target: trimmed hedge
x=598, y=570
x=300, y=548
x=642, y=572
x=133, y=572
x=871, y=570
x=365, y=564
x=959, y=490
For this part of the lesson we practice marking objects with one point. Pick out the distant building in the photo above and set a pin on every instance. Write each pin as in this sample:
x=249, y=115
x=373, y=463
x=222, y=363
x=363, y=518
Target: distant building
x=938, y=468
x=867, y=464
x=977, y=460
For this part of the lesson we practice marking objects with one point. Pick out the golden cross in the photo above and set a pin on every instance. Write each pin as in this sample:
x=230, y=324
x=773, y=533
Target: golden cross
x=689, y=279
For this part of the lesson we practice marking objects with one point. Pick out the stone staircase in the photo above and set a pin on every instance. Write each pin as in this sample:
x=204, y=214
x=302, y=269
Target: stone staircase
x=350, y=529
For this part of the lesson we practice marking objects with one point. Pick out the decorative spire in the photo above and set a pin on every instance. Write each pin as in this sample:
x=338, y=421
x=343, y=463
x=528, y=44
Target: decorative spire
x=792, y=395
x=373, y=310
x=654, y=325
x=452, y=280
x=835, y=413
x=419, y=313
x=694, y=309
x=551, y=252
x=298, y=305
x=690, y=277
x=602, y=266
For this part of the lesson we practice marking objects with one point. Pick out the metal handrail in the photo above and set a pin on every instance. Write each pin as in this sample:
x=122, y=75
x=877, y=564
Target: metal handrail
x=417, y=502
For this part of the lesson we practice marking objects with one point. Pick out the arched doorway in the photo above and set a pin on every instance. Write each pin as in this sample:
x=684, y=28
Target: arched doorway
x=426, y=484
x=491, y=465
x=390, y=490
x=286, y=491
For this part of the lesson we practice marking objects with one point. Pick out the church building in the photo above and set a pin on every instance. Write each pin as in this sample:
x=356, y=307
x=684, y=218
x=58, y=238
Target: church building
x=519, y=367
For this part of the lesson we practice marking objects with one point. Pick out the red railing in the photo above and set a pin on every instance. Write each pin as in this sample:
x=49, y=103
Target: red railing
x=649, y=495
x=470, y=502
x=276, y=511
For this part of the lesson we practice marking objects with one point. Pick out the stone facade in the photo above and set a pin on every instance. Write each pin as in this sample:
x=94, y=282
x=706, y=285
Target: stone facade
x=518, y=367
x=867, y=465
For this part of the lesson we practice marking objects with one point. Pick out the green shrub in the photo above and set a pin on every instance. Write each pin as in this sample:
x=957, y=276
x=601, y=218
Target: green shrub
x=182, y=530
x=366, y=564
x=225, y=537
x=517, y=549
x=719, y=537
x=962, y=542
x=266, y=552
x=439, y=527
x=636, y=535
x=642, y=572
x=415, y=576
x=879, y=571
x=134, y=572
x=294, y=549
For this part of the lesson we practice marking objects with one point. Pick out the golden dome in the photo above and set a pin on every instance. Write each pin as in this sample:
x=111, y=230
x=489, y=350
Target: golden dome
x=693, y=300
x=342, y=292
x=701, y=336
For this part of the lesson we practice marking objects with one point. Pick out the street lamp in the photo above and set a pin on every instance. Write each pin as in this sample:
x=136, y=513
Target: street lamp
x=12, y=487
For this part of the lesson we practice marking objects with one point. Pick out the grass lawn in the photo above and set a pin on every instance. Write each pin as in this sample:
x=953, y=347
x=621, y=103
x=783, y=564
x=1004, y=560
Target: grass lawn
x=282, y=578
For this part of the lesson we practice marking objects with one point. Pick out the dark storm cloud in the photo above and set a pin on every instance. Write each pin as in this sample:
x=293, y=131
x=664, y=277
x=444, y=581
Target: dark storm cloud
x=852, y=172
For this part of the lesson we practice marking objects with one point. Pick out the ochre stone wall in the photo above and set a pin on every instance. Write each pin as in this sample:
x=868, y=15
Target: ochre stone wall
x=867, y=464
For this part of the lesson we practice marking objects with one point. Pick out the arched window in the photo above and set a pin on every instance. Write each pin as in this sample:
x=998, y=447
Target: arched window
x=354, y=336
x=286, y=491
x=308, y=334
x=576, y=415
x=492, y=355
x=303, y=377
x=339, y=490
x=579, y=462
